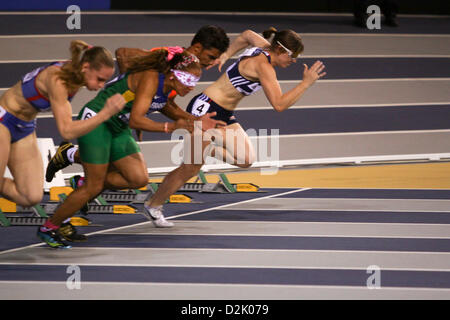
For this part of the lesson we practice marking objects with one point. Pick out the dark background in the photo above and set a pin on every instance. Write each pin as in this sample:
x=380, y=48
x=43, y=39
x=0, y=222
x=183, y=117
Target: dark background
x=342, y=6
x=331, y=6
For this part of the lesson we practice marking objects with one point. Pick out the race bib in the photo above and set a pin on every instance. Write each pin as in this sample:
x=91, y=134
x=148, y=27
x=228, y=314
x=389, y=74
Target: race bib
x=200, y=108
x=88, y=113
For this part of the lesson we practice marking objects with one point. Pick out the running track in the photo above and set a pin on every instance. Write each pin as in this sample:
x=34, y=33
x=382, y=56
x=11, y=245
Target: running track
x=287, y=244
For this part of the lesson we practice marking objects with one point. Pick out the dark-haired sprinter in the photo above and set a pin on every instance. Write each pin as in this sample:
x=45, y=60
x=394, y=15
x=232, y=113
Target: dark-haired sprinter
x=255, y=69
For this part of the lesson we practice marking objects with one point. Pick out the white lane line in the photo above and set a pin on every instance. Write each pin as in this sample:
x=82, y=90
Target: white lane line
x=233, y=258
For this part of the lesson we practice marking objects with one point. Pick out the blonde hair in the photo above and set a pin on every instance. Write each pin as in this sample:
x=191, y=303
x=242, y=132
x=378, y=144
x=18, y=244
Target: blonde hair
x=81, y=52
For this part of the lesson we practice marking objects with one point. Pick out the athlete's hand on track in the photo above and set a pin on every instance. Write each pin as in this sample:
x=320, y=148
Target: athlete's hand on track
x=310, y=75
x=209, y=123
x=115, y=104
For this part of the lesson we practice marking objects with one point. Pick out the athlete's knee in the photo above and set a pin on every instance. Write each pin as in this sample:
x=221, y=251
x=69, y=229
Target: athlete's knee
x=92, y=187
x=137, y=180
x=190, y=170
x=247, y=162
x=31, y=198
x=244, y=165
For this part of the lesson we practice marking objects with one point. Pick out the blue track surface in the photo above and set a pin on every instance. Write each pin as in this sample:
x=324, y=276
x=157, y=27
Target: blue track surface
x=298, y=121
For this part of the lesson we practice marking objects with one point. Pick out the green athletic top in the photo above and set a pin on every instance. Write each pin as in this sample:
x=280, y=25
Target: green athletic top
x=119, y=121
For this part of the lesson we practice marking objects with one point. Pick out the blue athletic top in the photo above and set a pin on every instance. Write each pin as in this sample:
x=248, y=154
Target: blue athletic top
x=160, y=98
x=243, y=85
x=31, y=92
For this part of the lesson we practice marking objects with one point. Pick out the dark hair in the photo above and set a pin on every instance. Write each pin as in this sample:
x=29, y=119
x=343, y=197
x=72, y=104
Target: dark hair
x=212, y=37
x=288, y=38
x=157, y=60
x=82, y=52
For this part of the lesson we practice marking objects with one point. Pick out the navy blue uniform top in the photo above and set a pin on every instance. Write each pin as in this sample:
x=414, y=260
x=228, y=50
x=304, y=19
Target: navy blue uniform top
x=243, y=85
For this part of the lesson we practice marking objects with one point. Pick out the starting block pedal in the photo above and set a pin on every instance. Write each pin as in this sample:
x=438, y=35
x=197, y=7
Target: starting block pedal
x=111, y=209
x=180, y=198
x=39, y=214
x=222, y=186
x=55, y=192
x=120, y=196
x=80, y=221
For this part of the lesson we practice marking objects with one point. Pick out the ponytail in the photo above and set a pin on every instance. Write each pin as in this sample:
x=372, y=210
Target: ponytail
x=267, y=34
x=155, y=60
x=163, y=60
x=81, y=52
x=288, y=38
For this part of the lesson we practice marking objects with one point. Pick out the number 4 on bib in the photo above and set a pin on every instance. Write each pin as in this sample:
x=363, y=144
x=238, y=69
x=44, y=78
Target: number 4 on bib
x=200, y=108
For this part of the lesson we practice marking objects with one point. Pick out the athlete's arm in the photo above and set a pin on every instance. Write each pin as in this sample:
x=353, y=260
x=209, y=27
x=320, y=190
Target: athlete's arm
x=281, y=101
x=62, y=111
x=173, y=111
x=245, y=39
x=145, y=91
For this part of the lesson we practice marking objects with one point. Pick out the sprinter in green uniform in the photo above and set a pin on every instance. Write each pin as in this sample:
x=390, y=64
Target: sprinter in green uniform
x=110, y=156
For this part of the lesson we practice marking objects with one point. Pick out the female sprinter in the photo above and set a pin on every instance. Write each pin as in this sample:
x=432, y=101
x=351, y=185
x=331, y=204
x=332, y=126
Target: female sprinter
x=49, y=87
x=109, y=154
x=253, y=70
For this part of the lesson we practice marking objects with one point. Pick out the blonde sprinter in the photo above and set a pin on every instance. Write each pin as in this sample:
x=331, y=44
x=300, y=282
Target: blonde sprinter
x=49, y=87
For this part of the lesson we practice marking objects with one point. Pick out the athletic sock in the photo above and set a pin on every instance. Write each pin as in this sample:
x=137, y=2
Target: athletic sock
x=48, y=226
x=71, y=154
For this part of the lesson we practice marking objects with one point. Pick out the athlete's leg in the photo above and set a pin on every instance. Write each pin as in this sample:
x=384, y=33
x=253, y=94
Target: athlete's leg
x=191, y=166
x=51, y=231
x=129, y=172
x=25, y=164
x=231, y=145
x=234, y=148
x=95, y=175
x=172, y=182
x=128, y=161
x=95, y=150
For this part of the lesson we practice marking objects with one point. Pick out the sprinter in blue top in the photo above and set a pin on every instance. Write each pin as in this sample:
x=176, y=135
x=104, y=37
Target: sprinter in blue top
x=252, y=71
x=49, y=87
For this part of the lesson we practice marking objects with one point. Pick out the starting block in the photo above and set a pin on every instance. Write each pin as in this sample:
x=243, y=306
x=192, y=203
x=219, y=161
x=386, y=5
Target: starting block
x=38, y=214
x=100, y=205
x=222, y=186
